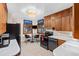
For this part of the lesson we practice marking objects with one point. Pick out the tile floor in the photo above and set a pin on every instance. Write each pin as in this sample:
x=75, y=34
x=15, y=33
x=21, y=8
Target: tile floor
x=33, y=49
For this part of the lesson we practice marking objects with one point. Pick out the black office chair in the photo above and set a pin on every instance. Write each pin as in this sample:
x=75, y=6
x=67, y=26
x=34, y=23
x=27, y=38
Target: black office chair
x=37, y=38
x=28, y=37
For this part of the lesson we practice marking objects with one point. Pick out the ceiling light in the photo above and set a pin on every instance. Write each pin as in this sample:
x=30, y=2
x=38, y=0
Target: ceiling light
x=31, y=12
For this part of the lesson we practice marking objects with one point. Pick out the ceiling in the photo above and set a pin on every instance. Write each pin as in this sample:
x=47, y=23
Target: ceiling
x=15, y=9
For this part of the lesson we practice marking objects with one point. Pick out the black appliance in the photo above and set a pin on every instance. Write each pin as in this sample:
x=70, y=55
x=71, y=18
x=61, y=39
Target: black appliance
x=44, y=42
x=48, y=33
x=47, y=42
x=52, y=44
x=44, y=39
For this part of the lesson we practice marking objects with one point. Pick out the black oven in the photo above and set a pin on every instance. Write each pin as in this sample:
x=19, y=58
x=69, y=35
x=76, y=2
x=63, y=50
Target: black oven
x=44, y=41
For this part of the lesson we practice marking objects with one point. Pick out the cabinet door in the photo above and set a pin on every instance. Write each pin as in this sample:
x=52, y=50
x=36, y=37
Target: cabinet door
x=58, y=24
x=60, y=42
x=53, y=22
x=65, y=23
x=71, y=21
x=3, y=17
x=47, y=22
x=56, y=21
x=76, y=21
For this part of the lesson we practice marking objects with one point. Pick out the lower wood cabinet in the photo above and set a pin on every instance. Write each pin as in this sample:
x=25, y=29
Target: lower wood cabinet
x=59, y=42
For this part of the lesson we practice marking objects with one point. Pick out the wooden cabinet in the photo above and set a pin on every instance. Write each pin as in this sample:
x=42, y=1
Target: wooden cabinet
x=47, y=22
x=58, y=22
x=76, y=20
x=3, y=17
x=53, y=21
x=65, y=23
x=59, y=42
x=66, y=20
x=61, y=21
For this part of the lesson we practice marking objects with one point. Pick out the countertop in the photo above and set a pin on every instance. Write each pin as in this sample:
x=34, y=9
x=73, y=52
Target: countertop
x=63, y=35
x=11, y=50
x=69, y=48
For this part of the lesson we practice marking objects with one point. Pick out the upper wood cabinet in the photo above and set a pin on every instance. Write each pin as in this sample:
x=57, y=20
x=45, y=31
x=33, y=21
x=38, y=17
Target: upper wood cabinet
x=57, y=21
x=47, y=22
x=61, y=21
x=66, y=20
x=3, y=17
x=53, y=21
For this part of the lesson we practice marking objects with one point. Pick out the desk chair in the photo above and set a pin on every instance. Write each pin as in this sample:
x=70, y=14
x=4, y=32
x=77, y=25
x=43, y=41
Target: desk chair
x=37, y=38
x=28, y=37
